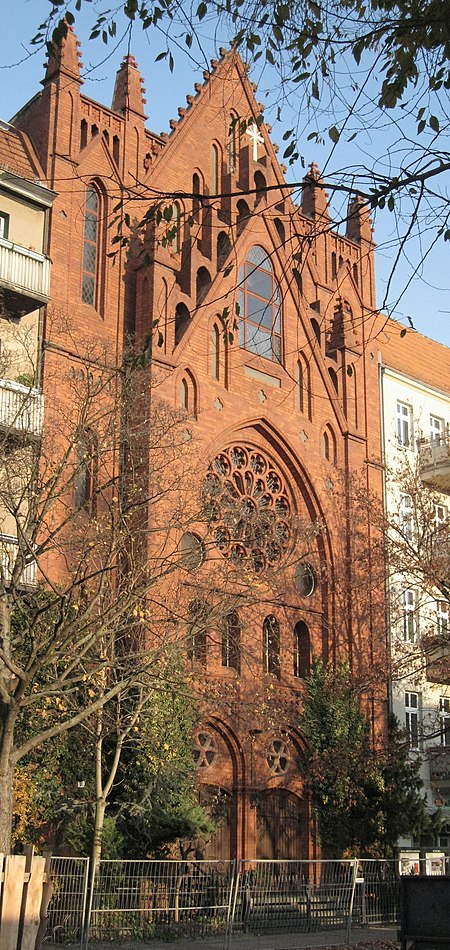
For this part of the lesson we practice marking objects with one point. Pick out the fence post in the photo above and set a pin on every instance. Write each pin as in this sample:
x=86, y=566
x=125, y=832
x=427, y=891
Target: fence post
x=46, y=898
x=234, y=887
x=92, y=875
x=352, y=899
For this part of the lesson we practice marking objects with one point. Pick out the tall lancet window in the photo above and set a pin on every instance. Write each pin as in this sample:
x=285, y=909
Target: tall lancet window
x=90, y=247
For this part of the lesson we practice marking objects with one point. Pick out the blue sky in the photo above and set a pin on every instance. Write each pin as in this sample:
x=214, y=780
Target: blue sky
x=426, y=299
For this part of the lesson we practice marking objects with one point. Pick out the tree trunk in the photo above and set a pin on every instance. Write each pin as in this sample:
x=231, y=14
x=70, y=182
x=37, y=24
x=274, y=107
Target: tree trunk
x=6, y=777
x=8, y=718
x=100, y=809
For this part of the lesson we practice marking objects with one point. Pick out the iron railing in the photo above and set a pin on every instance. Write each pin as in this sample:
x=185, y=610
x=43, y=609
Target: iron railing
x=144, y=900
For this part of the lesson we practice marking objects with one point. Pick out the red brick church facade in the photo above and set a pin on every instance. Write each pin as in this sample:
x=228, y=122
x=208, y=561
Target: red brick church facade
x=283, y=406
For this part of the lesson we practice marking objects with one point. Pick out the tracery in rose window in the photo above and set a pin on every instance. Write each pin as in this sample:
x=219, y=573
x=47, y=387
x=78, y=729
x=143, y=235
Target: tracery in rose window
x=247, y=501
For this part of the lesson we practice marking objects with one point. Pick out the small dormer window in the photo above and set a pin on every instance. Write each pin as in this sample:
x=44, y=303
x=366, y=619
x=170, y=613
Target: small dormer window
x=4, y=225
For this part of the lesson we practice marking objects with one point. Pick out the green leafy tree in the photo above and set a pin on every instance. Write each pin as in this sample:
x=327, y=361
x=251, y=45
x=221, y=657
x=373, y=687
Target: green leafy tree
x=363, y=798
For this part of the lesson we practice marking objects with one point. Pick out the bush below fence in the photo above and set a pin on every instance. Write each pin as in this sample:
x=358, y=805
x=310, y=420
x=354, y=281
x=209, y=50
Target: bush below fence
x=144, y=900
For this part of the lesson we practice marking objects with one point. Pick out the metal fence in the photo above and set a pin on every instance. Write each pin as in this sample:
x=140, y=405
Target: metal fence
x=144, y=900
x=141, y=900
x=67, y=907
x=293, y=896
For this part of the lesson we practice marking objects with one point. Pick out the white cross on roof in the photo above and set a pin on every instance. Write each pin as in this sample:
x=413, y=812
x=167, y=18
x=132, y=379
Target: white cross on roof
x=256, y=138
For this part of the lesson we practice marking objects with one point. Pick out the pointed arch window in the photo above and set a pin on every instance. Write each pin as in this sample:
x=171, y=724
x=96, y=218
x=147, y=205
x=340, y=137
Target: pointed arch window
x=231, y=642
x=271, y=646
x=214, y=169
x=90, y=247
x=175, y=228
x=302, y=650
x=188, y=393
x=182, y=321
x=86, y=472
x=196, y=202
x=232, y=143
x=300, y=387
x=196, y=636
x=259, y=306
x=215, y=352
x=329, y=446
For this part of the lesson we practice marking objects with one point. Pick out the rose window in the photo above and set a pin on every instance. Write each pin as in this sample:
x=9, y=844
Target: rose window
x=205, y=750
x=278, y=757
x=248, y=504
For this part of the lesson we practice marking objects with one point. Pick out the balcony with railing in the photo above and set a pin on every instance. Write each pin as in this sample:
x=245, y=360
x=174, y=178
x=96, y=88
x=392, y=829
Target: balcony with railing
x=24, y=279
x=21, y=409
x=9, y=549
x=434, y=461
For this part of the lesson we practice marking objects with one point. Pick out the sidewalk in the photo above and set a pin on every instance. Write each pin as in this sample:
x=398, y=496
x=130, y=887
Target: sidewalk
x=239, y=941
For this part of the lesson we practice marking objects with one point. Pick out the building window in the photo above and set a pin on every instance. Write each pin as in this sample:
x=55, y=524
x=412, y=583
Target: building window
x=271, y=646
x=437, y=429
x=404, y=425
x=444, y=720
x=91, y=232
x=232, y=139
x=440, y=515
x=196, y=204
x=223, y=249
x=182, y=321
x=175, y=228
x=302, y=650
x=442, y=617
x=412, y=719
x=215, y=352
x=85, y=481
x=259, y=306
x=300, y=387
x=231, y=642
x=409, y=599
x=214, y=170
x=4, y=225
x=407, y=517
x=196, y=637
x=203, y=283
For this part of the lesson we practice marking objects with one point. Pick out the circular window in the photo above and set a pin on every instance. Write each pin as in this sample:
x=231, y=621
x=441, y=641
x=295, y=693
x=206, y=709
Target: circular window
x=305, y=579
x=192, y=551
x=278, y=757
x=205, y=750
x=247, y=501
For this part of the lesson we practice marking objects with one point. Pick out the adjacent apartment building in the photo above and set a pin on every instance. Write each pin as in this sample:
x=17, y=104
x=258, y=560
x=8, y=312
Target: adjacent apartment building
x=415, y=413
x=25, y=202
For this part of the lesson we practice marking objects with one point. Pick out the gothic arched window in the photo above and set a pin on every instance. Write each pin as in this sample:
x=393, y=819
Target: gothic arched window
x=215, y=352
x=271, y=646
x=90, y=246
x=302, y=650
x=197, y=620
x=231, y=642
x=86, y=470
x=260, y=309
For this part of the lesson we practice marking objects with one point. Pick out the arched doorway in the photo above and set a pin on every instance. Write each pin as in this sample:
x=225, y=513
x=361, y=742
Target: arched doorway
x=281, y=825
x=221, y=807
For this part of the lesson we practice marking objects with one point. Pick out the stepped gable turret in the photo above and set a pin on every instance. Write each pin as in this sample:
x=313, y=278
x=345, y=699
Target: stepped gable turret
x=65, y=58
x=129, y=89
x=359, y=224
x=314, y=196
